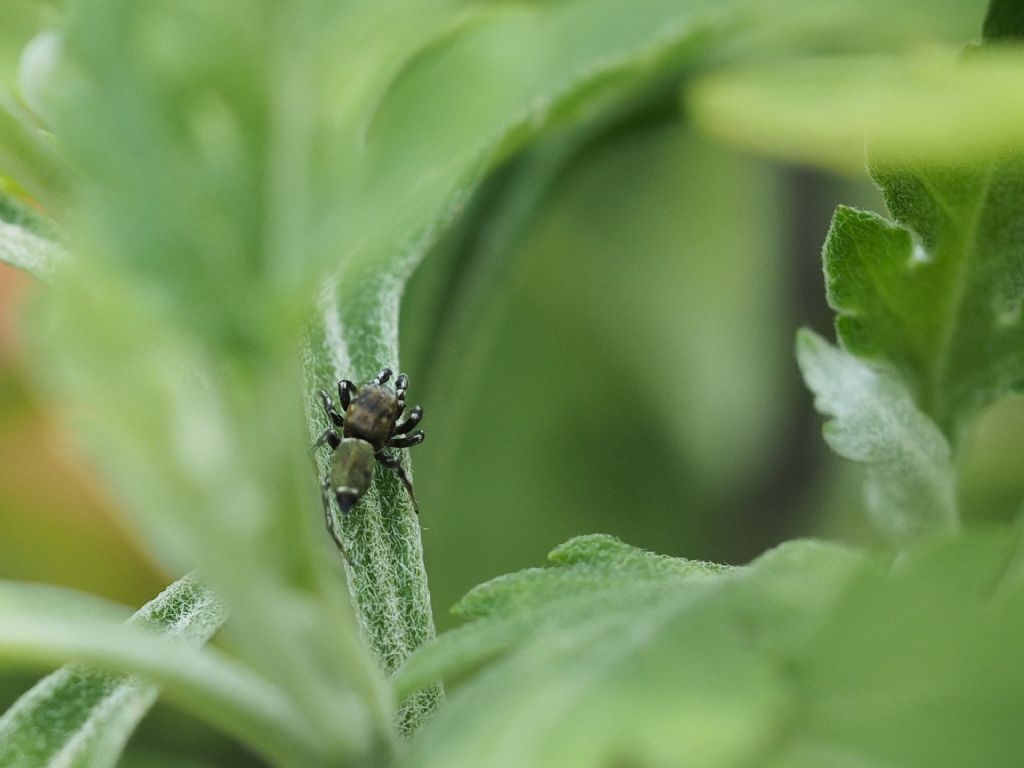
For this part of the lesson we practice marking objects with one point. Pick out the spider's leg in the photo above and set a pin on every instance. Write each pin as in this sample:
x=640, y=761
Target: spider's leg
x=331, y=520
x=328, y=436
x=395, y=464
x=336, y=418
x=382, y=376
x=408, y=441
x=411, y=421
x=346, y=391
x=401, y=384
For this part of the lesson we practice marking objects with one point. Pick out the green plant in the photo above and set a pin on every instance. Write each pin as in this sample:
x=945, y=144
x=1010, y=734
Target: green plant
x=226, y=205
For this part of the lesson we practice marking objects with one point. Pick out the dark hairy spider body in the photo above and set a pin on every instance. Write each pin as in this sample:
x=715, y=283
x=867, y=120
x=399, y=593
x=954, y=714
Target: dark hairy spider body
x=369, y=424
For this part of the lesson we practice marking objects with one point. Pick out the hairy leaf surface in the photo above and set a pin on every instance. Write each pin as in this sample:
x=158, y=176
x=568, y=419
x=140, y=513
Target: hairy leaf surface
x=910, y=478
x=620, y=654
x=45, y=626
x=82, y=717
x=23, y=243
x=812, y=655
x=938, y=292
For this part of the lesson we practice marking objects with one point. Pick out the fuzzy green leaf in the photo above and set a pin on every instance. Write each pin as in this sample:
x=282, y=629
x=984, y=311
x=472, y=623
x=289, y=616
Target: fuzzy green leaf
x=910, y=478
x=939, y=292
x=509, y=608
x=620, y=654
x=46, y=625
x=23, y=245
x=81, y=718
x=810, y=656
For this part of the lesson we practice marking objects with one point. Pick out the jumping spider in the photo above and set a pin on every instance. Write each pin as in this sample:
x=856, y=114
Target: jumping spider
x=368, y=426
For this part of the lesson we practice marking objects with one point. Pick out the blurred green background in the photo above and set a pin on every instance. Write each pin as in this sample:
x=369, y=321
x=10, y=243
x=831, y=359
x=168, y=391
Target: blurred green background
x=621, y=363
x=663, y=270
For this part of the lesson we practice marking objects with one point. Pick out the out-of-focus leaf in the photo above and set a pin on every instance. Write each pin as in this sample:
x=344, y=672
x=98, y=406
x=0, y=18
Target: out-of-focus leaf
x=22, y=244
x=80, y=717
x=1004, y=20
x=36, y=69
x=23, y=20
x=30, y=165
x=622, y=655
x=810, y=656
x=919, y=664
x=910, y=478
x=47, y=625
x=195, y=130
x=933, y=107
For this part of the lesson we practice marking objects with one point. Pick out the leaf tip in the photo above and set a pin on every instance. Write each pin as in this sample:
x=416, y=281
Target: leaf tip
x=590, y=548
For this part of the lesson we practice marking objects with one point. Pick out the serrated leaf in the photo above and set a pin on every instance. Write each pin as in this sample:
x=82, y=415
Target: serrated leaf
x=910, y=477
x=44, y=625
x=939, y=292
x=622, y=655
x=81, y=718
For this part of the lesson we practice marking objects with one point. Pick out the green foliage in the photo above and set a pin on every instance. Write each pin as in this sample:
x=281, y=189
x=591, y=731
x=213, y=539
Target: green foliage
x=23, y=244
x=810, y=655
x=82, y=717
x=245, y=192
x=1003, y=21
x=918, y=662
x=46, y=625
x=932, y=301
x=32, y=166
x=910, y=484
x=921, y=104
x=924, y=106
x=938, y=295
x=407, y=186
x=504, y=612
x=620, y=654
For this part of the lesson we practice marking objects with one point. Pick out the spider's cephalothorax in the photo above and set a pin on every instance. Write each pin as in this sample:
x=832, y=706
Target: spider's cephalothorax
x=369, y=424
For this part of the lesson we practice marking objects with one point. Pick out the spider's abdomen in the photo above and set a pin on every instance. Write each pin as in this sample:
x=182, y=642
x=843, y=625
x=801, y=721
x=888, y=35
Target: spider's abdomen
x=372, y=414
x=351, y=471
